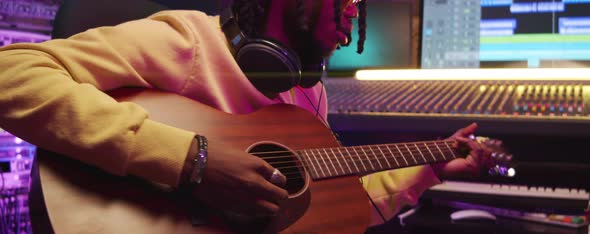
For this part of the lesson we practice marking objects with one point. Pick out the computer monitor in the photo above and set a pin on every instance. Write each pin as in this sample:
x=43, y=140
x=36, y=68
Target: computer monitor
x=388, y=43
x=505, y=33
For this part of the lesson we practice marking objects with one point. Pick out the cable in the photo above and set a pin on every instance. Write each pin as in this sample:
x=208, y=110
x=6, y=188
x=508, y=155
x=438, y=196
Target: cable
x=314, y=106
x=317, y=110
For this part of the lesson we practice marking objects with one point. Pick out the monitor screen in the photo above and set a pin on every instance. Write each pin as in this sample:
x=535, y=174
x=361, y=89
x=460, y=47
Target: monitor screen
x=505, y=33
x=387, y=44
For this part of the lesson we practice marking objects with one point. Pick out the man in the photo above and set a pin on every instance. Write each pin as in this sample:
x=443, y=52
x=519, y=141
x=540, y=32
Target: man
x=53, y=95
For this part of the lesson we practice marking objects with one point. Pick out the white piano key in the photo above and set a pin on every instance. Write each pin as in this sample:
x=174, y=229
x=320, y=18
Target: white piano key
x=562, y=190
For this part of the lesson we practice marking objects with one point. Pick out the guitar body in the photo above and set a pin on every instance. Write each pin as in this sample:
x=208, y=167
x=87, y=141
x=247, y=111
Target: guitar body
x=82, y=199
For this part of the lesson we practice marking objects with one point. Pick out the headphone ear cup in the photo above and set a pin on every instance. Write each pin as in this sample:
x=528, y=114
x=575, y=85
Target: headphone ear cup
x=312, y=72
x=269, y=66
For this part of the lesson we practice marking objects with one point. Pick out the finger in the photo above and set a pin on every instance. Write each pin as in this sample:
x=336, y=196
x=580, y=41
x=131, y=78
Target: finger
x=265, y=169
x=466, y=131
x=260, y=207
x=475, y=149
x=479, y=152
x=266, y=188
x=489, y=161
x=462, y=139
x=267, y=207
x=461, y=142
x=272, y=174
x=251, y=204
x=277, y=178
x=273, y=192
x=263, y=188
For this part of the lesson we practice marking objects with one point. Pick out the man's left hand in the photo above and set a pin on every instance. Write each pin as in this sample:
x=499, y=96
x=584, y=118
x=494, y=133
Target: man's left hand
x=478, y=158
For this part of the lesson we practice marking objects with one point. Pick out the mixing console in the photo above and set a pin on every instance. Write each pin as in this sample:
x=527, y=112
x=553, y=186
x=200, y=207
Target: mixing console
x=485, y=97
x=545, y=107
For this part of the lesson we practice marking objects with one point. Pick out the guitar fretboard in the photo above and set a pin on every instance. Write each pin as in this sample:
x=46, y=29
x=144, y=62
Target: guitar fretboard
x=324, y=163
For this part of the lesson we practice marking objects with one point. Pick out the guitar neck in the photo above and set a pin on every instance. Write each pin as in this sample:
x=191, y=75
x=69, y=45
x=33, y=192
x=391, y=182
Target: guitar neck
x=324, y=163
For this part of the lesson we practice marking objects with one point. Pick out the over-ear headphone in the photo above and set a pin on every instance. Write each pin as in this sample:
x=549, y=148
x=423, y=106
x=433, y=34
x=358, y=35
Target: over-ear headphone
x=269, y=65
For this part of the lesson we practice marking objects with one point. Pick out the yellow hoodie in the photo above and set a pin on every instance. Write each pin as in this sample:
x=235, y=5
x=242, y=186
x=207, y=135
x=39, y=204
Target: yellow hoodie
x=52, y=96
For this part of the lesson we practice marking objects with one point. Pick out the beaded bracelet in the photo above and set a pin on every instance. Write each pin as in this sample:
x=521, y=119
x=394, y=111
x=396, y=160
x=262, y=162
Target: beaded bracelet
x=200, y=162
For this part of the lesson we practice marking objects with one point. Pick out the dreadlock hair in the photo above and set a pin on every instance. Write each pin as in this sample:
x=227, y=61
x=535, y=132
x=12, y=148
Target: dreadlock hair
x=302, y=24
x=362, y=24
x=250, y=17
x=337, y=14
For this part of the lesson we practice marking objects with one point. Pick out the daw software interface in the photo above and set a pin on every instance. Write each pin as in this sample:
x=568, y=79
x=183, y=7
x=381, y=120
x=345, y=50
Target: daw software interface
x=505, y=33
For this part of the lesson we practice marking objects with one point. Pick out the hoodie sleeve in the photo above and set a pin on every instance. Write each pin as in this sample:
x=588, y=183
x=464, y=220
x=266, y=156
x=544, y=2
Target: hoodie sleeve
x=53, y=94
x=391, y=190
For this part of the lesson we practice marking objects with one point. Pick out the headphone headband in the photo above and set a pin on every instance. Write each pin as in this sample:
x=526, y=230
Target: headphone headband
x=269, y=65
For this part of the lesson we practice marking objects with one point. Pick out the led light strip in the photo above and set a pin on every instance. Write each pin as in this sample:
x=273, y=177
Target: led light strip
x=477, y=74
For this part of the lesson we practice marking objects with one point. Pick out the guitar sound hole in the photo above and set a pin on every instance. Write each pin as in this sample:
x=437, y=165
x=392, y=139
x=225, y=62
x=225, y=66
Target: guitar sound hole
x=284, y=160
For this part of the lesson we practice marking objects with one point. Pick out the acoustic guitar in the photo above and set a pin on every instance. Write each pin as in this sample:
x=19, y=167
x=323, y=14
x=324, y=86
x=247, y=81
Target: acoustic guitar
x=325, y=195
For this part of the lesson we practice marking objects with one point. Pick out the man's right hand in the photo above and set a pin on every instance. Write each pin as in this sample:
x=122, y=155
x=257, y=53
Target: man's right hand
x=238, y=182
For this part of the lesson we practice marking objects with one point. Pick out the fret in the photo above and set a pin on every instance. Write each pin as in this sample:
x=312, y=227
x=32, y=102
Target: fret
x=370, y=163
x=330, y=159
x=431, y=154
x=402, y=154
x=385, y=157
x=441, y=152
x=360, y=159
x=325, y=163
x=352, y=159
x=420, y=151
x=409, y=150
x=452, y=151
x=338, y=161
x=319, y=165
x=375, y=156
x=311, y=162
x=393, y=155
x=345, y=161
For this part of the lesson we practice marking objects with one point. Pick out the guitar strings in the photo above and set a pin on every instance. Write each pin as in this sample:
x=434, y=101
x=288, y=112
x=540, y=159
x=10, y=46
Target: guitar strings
x=414, y=145
x=364, y=149
x=437, y=143
x=326, y=165
x=301, y=177
x=413, y=148
x=365, y=154
x=336, y=155
x=364, y=157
